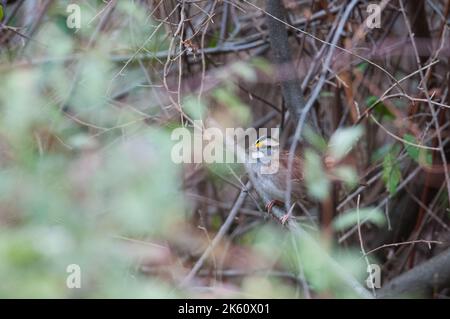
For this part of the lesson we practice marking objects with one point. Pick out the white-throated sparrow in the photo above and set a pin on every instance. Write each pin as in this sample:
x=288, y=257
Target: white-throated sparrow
x=269, y=166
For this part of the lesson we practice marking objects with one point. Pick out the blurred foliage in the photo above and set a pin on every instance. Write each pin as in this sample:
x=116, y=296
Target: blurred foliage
x=380, y=108
x=86, y=175
x=316, y=180
x=391, y=170
x=318, y=176
x=67, y=192
x=343, y=140
x=355, y=217
x=420, y=155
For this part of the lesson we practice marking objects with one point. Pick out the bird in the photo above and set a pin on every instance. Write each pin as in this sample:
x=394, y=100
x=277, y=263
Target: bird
x=269, y=166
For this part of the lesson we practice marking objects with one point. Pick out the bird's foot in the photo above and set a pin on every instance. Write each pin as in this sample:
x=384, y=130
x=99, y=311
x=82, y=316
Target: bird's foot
x=285, y=218
x=272, y=203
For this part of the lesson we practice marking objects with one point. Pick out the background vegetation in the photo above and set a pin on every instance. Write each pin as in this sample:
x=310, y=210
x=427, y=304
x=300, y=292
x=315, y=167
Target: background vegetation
x=86, y=176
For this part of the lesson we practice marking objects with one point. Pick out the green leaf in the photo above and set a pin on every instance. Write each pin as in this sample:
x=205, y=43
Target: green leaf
x=362, y=66
x=232, y=101
x=262, y=65
x=214, y=39
x=194, y=108
x=80, y=141
x=216, y=222
x=350, y=218
x=315, y=139
x=391, y=173
x=342, y=141
x=326, y=94
x=347, y=174
x=420, y=155
x=1, y=12
x=316, y=181
x=244, y=70
x=380, y=153
x=380, y=108
x=412, y=151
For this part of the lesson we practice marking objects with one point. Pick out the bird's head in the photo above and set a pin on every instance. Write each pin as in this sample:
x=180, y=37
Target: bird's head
x=264, y=148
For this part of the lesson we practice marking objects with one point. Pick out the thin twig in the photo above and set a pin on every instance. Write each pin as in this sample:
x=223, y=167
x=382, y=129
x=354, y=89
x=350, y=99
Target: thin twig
x=220, y=234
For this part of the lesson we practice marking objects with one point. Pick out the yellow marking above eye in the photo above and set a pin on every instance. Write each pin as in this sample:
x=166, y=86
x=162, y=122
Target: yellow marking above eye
x=258, y=144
